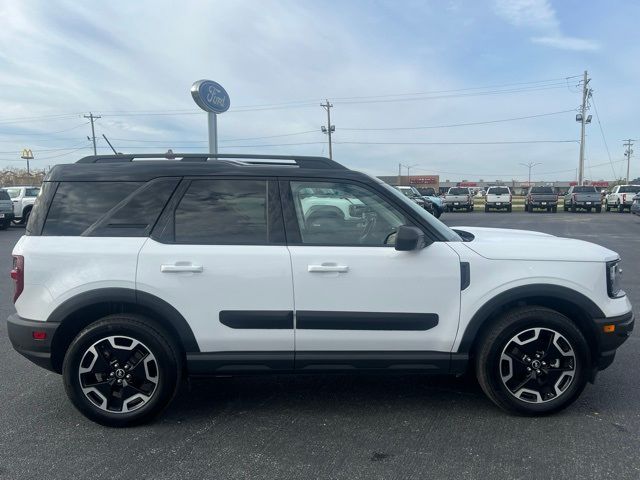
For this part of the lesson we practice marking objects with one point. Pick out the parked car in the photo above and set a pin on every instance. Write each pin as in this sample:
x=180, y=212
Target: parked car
x=6, y=210
x=459, y=198
x=134, y=273
x=543, y=198
x=498, y=198
x=585, y=197
x=635, y=205
x=430, y=195
x=621, y=197
x=23, y=198
x=415, y=196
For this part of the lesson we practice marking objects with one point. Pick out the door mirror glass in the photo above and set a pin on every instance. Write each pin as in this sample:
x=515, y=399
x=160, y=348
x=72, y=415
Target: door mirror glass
x=409, y=238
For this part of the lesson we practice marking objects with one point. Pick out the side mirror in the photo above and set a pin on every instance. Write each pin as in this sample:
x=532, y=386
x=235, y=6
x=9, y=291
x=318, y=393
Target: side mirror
x=409, y=238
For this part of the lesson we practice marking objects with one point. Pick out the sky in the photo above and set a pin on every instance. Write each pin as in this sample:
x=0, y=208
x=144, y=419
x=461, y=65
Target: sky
x=440, y=85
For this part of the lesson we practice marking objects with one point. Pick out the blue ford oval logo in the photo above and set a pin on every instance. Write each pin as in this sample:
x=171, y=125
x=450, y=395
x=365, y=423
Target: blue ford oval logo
x=210, y=96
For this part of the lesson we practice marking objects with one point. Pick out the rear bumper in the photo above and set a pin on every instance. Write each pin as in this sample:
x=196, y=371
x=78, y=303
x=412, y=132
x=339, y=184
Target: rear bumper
x=544, y=204
x=21, y=335
x=608, y=343
x=7, y=216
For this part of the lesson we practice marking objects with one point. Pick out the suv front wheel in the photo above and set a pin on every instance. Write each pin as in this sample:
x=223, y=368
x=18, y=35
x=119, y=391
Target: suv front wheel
x=121, y=370
x=533, y=361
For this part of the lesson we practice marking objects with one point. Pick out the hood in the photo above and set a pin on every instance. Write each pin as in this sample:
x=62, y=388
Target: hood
x=508, y=244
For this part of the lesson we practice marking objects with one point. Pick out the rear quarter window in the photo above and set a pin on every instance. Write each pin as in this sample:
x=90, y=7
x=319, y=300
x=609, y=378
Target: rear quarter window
x=77, y=205
x=4, y=195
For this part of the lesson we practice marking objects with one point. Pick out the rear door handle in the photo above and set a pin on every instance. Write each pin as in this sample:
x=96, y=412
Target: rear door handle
x=328, y=268
x=177, y=268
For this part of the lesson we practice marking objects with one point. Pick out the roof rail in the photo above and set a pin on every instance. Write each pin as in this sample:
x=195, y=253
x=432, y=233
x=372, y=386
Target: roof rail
x=271, y=160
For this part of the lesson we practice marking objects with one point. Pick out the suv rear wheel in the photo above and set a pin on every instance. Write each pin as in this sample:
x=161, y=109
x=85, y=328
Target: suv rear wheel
x=121, y=370
x=533, y=361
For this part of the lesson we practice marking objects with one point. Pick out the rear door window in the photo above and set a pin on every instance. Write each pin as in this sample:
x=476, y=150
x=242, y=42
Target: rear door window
x=4, y=195
x=225, y=212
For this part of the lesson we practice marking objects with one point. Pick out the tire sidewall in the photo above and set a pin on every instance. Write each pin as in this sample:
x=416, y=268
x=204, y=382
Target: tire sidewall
x=545, y=319
x=168, y=371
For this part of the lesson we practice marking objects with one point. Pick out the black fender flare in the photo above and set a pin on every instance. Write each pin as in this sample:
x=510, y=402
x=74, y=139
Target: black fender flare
x=145, y=302
x=535, y=293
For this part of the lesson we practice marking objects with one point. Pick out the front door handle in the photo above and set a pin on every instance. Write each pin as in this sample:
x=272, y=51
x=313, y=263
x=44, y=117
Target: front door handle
x=325, y=267
x=177, y=268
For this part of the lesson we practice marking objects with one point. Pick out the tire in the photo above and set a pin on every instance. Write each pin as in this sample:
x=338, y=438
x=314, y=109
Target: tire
x=599, y=209
x=526, y=207
x=436, y=212
x=573, y=208
x=548, y=209
x=486, y=208
x=5, y=224
x=606, y=206
x=469, y=209
x=500, y=375
x=589, y=209
x=554, y=209
x=120, y=334
x=620, y=208
x=565, y=208
x=510, y=208
x=25, y=217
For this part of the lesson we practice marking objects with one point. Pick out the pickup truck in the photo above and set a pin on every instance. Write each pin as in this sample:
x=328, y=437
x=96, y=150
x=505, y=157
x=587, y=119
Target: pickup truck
x=415, y=196
x=458, y=198
x=429, y=194
x=23, y=198
x=6, y=210
x=498, y=198
x=586, y=197
x=541, y=197
x=621, y=197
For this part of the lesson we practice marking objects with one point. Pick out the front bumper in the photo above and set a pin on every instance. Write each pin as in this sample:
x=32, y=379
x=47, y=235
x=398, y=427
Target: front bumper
x=609, y=342
x=21, y=335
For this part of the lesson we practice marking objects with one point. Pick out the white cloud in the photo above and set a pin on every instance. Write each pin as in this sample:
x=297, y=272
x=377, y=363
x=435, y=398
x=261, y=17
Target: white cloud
x=567, y=43
x=539, y=15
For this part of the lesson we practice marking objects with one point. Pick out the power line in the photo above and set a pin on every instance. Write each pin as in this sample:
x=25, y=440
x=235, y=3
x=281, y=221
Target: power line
x=45, y=133
x=487, y=122
x=505, y=142
x=226, y=140
x=604, y=139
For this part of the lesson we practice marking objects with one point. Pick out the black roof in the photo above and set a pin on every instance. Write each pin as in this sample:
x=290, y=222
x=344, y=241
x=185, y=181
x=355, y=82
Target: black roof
x=144, y=167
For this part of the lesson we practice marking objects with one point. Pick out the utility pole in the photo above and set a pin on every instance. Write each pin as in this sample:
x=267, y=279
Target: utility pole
x=627, y=153
x=92, y=117
x=399, y=173
x=329, y=129
x=530, y=165
x=582, y=118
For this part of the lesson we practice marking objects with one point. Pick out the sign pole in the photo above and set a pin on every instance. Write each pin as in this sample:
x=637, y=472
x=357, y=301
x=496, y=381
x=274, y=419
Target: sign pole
x=212, y=120
x=213, y=99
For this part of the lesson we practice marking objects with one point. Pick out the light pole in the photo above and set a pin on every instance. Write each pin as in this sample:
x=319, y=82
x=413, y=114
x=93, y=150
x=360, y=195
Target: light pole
x=409, y=167
x=530, y=165
x=27, y=155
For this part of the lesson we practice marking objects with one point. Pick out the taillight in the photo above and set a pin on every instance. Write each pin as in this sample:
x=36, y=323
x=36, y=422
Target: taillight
x=574, y=195
x=17, y=275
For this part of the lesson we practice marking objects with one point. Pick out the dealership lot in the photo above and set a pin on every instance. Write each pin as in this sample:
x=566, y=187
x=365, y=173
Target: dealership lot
x=338, y=426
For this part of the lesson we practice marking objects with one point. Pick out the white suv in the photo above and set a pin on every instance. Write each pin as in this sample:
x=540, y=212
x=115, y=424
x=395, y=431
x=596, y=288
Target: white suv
x=133, y=274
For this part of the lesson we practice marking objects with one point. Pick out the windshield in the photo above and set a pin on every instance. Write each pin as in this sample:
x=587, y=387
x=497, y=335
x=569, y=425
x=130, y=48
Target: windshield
x=436, y=224
x=585, y=190
x=13, y=192
x=407, y=192
x=458, y=191
x=541, y=190
x=497, y=191
x=630, y=189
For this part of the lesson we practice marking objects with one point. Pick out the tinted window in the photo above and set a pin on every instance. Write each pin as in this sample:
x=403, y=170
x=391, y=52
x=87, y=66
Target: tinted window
x=13, y=192
x=77, y=205
x=541, y=189
x=4, y=195
x=32, y=192
x=353, y=215
x=630, y=189
x=458, y=191
x=584, y=190
x=223, y=212
x=497, y=191
x=139, y=213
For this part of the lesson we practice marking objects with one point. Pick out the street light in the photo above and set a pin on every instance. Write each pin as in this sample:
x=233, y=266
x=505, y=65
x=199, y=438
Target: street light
x=27, y=155
x=409, y=167
x=530, y=165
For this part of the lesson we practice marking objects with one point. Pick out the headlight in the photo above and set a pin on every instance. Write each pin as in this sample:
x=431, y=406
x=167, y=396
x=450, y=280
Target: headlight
x=614, y=279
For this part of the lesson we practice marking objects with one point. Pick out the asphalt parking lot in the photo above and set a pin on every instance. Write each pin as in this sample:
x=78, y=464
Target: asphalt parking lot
x=337, y=427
